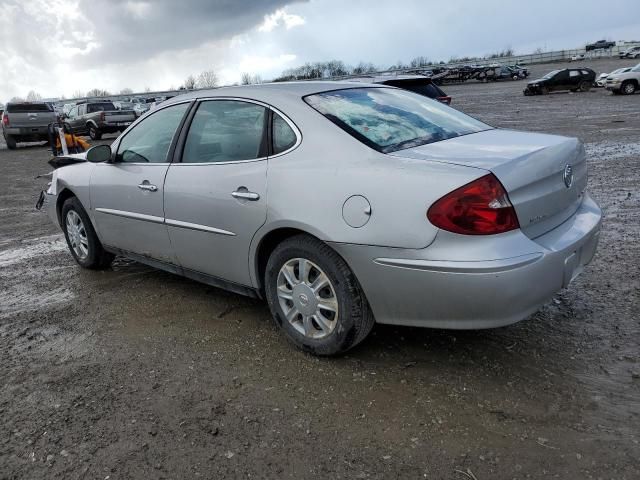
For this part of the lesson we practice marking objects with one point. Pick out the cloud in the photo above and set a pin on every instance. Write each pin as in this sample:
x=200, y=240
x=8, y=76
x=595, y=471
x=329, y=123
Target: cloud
x=60, y=46
x=278, y=18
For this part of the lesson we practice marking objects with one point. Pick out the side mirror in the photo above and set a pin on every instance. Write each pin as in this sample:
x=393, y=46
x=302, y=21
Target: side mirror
x=99, y=154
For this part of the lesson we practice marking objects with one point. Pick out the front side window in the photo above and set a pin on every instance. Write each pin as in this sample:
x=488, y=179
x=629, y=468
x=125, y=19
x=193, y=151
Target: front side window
x=283, y=135
x=149, y=141
x=73, y=112
x=388, y=119
x=226, y=131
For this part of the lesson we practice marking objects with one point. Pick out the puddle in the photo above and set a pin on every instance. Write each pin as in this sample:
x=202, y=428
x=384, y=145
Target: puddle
x=612, y=150
x=33, y=248
x=30, y=288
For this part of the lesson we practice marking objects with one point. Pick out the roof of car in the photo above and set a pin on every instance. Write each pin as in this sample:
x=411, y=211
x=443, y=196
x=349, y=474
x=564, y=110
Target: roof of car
x=268, y=91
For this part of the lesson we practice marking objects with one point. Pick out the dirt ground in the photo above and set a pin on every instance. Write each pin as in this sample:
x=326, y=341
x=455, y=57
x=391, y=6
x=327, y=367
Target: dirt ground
x=136, y=373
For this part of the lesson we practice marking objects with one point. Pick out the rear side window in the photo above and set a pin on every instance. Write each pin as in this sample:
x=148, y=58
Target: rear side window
x=100, y=107
x=226, y=131
x=388, y=119
x=149, y=140
x=28, y=107
x=283, y=135
x=574, y=73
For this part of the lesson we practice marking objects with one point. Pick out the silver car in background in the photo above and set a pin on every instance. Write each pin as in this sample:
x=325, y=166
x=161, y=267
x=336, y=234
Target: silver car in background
x=341, y=204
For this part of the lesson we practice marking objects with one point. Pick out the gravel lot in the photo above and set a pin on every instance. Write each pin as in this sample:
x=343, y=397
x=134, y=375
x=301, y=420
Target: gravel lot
x=136, y=373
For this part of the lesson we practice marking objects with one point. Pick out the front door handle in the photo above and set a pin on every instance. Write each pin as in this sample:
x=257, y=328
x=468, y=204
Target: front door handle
x=148, y=187
x=245, y=195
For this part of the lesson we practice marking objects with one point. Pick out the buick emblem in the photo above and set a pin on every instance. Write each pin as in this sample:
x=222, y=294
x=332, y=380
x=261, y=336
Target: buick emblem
x=567, y=176
x=304, y=300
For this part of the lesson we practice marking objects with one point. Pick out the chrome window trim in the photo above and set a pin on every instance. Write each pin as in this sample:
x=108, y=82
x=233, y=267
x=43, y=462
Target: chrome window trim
x=293, y=126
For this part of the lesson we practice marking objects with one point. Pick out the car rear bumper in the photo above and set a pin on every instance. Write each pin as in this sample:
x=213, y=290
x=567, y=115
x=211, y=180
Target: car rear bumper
x=460, y=282
x=38, y=131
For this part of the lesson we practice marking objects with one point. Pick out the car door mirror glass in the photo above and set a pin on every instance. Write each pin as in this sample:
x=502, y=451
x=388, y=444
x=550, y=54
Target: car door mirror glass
x=99, y=154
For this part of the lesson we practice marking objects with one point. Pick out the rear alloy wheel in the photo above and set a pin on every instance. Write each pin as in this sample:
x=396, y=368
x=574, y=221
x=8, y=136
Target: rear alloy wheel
x=11, y=142
x=94, y=133
x=315, y=298
x=585, y=86
x=628, y=88
x=81, y=238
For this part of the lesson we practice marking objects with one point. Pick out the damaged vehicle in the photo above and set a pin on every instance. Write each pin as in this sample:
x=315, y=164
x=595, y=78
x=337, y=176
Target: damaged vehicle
x=340, y=203
x=573, y=79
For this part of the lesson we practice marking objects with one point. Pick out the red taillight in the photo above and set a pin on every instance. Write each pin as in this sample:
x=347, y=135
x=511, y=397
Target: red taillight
x=5, y=119
x=481, y=207
x=445, y=100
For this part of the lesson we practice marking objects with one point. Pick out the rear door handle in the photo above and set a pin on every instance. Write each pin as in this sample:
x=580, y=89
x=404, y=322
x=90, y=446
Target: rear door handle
x=148, y=187
x=246, y=195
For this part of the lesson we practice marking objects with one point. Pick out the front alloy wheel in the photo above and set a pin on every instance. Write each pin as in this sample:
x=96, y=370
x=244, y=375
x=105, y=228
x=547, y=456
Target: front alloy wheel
x=77, y=234
x=307, y=298
x=628, y=88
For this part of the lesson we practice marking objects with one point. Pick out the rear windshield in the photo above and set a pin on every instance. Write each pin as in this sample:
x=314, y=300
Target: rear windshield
x=423, y=87
x=28, y=107
x=100, y=107
x=388, y=119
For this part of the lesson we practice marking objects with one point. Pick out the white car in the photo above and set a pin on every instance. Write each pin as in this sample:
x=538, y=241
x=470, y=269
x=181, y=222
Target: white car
x=576, y=58
x=602, y=79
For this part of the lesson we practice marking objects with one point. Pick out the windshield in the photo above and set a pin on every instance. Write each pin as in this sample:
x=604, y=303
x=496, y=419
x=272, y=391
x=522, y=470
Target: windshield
x=551, y=74
x=636, y=68
x=388, y=119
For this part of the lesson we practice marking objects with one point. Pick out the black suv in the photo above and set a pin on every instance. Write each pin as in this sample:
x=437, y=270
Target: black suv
x=573, y=79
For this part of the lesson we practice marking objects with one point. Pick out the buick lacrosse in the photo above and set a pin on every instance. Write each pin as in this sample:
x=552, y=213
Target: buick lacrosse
x=341, y=204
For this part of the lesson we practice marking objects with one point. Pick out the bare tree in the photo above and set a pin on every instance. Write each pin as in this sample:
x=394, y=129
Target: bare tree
x=16, y=100
x=126, y=91
x=207, y=79
x=33, y=96
x=98, y=92
x=147, y=89
x=363, y=67
x=248, y=79
x=190, y=82
x=78, y=94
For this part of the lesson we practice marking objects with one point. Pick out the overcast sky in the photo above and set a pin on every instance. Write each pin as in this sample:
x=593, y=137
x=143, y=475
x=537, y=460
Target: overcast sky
x=58, y=47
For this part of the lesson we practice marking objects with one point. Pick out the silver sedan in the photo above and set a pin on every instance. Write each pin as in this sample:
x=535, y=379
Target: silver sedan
x=341, y=204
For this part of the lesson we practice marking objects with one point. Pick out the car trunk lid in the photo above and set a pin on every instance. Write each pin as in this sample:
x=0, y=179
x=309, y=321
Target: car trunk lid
x=544, y=175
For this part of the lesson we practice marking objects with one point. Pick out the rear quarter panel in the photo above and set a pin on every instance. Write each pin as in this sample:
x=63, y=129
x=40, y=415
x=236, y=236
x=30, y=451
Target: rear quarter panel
x=308, y=187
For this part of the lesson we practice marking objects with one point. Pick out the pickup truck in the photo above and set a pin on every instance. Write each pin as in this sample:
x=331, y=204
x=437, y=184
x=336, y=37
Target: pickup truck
x=600, y=45
x=96, y=118
x=26, y=122
x=626, y=83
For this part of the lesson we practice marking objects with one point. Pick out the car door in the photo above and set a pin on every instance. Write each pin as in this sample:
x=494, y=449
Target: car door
x=215, y=197
x=127, y=193
x=560, y=81
x=575, y=77
x=72, y=118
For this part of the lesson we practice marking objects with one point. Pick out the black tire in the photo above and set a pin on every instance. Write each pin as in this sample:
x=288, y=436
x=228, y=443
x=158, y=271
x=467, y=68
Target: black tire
x=94, y=133
x=97, y=257
x=351, y=328
x=628, y=88
x=585, y=86
x=11, y=142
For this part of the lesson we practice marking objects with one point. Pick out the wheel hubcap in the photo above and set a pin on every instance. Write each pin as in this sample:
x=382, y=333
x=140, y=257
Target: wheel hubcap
x=77, y=235
x=307, y=298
